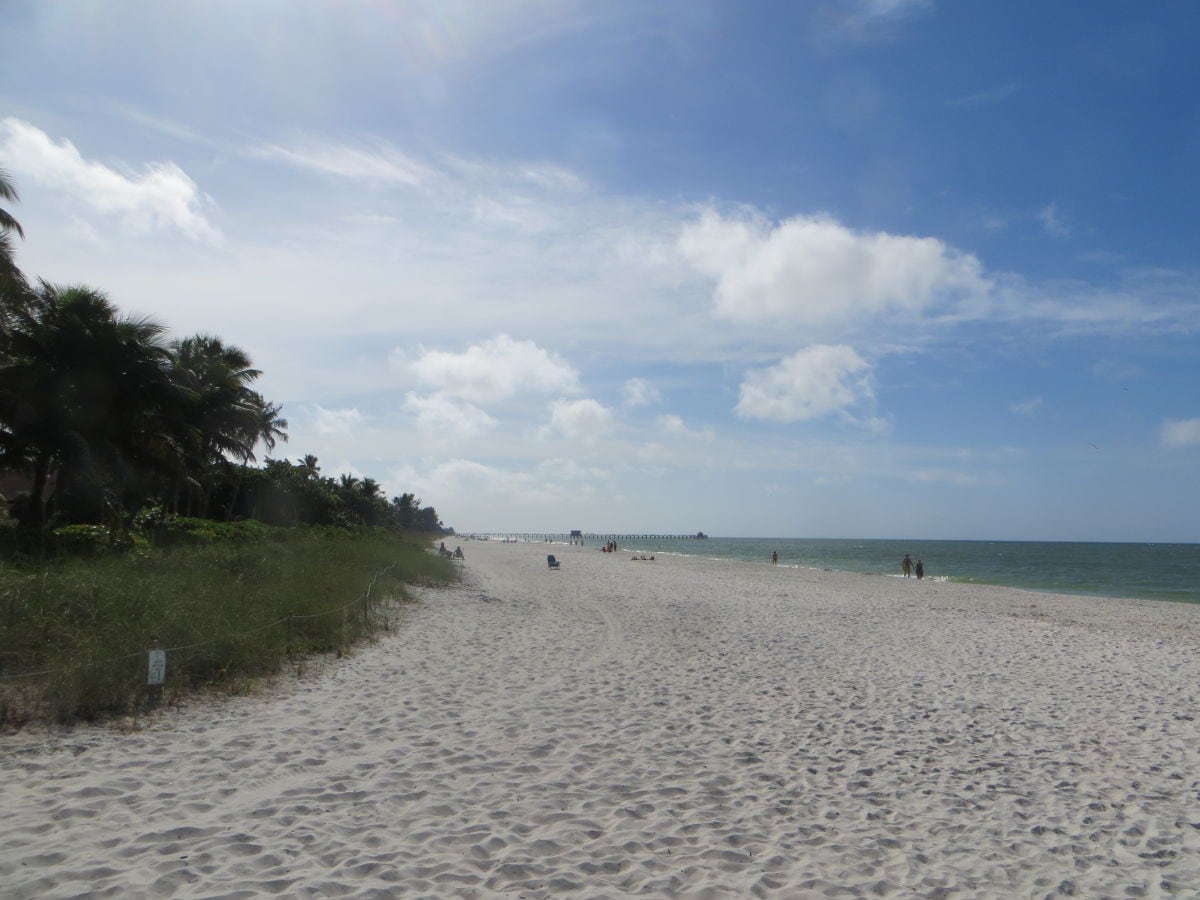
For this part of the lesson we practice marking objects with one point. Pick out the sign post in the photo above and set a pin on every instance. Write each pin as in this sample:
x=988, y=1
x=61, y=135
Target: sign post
x=158, y=667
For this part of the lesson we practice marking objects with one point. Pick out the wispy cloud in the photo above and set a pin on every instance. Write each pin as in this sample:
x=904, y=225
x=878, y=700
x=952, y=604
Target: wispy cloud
x=864, y=20
x=639, y=392
x=1026, y=407
x=988, y=97
x=1178, y=433
x=336, y=421
x=1052, y=220
x=376, y=162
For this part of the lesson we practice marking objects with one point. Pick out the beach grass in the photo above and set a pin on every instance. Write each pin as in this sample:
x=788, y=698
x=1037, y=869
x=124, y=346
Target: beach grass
x=75, y=633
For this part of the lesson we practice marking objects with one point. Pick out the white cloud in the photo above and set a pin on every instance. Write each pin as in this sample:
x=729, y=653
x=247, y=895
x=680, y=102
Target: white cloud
x=1176, y=433
x=496, y=369
x=674, y=425
x=1053, y=221
x=578, y=419
x=491, y=492
x=639, y=392
x=1026, y=407
x=378, y=163
x=814, y=269
x=161, y=196
x=809, y=384
x=440, y=415
x=336, y=421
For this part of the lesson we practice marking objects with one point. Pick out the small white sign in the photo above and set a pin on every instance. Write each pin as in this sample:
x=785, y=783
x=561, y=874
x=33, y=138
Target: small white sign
x=158, y=667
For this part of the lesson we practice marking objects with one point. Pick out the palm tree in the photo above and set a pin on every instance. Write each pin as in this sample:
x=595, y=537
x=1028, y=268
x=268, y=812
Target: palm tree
x=225, y=412
x=87, y=394
x=14, y=290
x=271, y=427
x=8, y=192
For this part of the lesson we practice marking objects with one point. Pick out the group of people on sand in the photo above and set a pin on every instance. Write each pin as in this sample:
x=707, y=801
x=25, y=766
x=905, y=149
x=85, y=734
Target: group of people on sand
x=457, y=554
x=610, y=547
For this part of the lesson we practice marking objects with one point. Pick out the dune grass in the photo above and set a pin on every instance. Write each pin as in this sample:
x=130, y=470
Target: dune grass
x=75, y=633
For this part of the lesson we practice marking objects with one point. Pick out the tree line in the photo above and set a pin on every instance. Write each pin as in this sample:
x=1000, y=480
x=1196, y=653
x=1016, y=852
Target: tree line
x=107, y=416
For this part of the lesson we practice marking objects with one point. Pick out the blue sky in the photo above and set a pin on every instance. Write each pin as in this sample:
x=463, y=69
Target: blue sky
x=841, y=268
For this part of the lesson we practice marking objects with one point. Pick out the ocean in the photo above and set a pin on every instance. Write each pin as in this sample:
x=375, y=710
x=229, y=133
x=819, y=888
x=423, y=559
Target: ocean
x=1135, y=571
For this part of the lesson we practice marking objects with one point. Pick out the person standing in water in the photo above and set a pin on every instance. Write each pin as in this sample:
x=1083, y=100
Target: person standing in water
x=919, y=569
x=774, y=558
x=906, y=566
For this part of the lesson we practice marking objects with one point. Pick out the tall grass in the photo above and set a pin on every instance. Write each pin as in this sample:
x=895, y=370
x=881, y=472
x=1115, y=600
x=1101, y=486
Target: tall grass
x=75, y=633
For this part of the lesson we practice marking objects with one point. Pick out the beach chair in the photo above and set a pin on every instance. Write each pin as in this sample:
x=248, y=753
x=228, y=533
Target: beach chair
x=552, y=562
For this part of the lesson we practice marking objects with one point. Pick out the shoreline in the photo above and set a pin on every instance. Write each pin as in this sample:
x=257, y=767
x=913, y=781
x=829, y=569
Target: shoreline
x=682, y=727
x=1118, y=570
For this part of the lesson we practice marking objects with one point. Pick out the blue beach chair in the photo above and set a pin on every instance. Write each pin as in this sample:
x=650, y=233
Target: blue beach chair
x=552, y=562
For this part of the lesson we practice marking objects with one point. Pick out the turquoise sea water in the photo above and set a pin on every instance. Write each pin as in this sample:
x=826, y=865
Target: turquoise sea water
x=1141, y=571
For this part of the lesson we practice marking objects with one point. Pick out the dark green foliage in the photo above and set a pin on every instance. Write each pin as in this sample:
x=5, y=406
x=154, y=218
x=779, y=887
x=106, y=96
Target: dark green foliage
x=164, y=531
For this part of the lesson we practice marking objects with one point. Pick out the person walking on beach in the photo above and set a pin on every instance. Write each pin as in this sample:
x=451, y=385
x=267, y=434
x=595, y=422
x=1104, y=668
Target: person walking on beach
x=774, y=558
x=919, y=569
x=906, y=566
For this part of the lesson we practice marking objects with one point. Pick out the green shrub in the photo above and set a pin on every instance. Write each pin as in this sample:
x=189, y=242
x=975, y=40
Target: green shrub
x=176, y=531
x=83, y=540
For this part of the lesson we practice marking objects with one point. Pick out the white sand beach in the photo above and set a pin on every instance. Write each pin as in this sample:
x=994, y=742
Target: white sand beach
x=675, y=728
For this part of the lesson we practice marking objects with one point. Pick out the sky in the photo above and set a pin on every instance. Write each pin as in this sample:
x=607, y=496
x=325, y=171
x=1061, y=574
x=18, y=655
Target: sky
x=823, y=268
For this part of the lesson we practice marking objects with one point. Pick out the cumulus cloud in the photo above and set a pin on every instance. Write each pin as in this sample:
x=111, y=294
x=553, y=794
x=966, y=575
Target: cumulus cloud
x=1176, y=433
x=496, y=369
x=162, y=195
x=578, y=419
x=809, y=384
x=815, y=269
x=440, y=415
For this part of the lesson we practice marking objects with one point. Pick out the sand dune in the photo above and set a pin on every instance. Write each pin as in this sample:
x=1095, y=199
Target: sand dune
x=676, y=728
